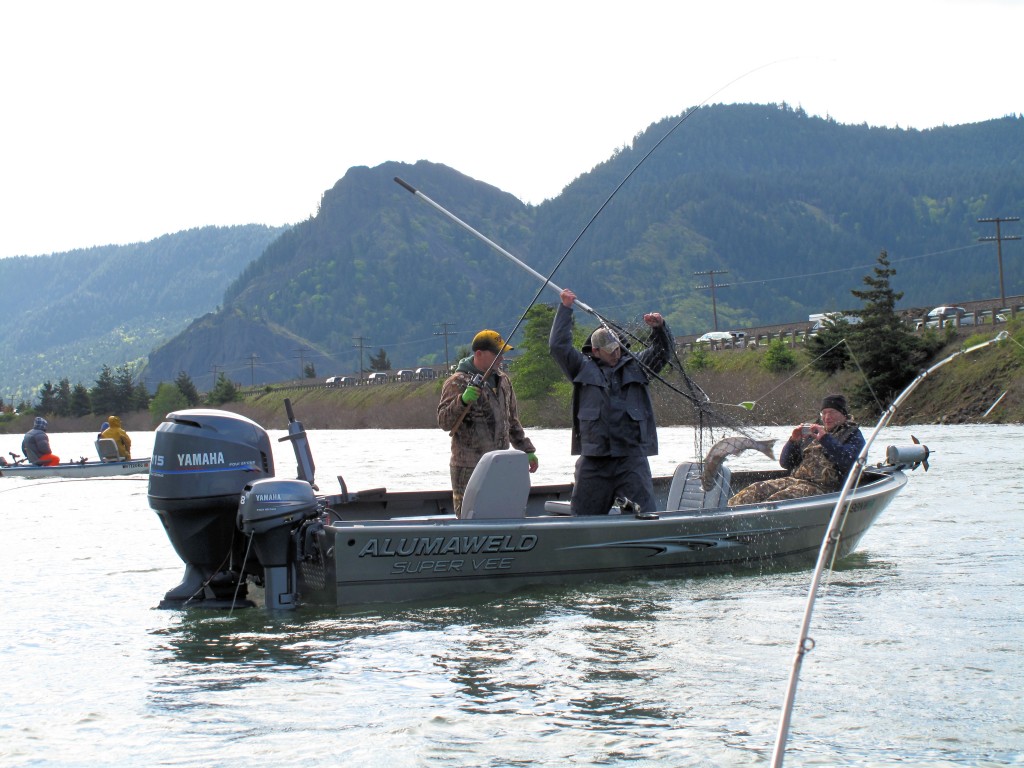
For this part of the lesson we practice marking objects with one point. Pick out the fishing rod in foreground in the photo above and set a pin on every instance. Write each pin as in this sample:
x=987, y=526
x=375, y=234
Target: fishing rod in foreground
x=830, y=542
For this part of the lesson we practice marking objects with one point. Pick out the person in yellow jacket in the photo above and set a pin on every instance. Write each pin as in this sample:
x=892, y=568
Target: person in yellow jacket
x=119, y=436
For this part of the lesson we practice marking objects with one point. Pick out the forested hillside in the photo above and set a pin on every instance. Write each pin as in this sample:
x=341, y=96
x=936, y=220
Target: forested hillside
x=67, y=315
x=789, y=211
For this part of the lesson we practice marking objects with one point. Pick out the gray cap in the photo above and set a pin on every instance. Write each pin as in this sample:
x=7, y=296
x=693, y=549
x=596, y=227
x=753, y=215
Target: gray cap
x=605, y=340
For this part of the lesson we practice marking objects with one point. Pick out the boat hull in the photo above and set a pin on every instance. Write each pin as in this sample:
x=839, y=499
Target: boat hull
x=80, y=469
x=389, y=561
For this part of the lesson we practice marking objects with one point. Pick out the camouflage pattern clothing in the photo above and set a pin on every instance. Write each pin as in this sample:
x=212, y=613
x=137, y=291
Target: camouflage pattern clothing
x=817, y=467
x=491, y=422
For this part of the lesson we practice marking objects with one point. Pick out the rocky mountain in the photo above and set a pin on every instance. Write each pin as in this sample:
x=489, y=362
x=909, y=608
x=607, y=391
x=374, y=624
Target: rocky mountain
x=786, y=212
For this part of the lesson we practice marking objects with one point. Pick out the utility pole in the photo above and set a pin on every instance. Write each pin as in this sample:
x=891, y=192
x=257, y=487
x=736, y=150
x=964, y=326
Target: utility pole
x=363, y=343
x=215, y=367
x=302, y=361
x=999, y=247
x=711, y=276
x=253, y=357
x=447, y=363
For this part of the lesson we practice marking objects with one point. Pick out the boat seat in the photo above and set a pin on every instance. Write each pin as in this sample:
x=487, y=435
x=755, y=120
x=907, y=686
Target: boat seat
x=107, y=449
x=687, y=493
x=499, y=486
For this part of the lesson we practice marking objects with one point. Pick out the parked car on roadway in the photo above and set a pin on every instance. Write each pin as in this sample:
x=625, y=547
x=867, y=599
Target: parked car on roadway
x=946, y=315
x=832, y=319
x=714, y=336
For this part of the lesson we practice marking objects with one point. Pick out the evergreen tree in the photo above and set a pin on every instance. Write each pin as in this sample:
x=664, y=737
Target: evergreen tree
x=63, y=397
x=81, y=405
x=309, y=371
x=47, y=399
x=187, y=388
x=140, y=397
x=380, y=362
x=124, y=388
x=886, y=349
x=104, y=395
x=224, y=391
x=829, y=345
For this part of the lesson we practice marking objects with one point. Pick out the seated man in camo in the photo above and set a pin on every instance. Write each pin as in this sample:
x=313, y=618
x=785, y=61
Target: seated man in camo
x=818, y=456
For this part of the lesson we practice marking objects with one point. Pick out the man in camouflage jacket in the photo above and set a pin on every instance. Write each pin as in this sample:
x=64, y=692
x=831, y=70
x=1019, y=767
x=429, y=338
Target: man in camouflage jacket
x=482, y=414
x=819, y=457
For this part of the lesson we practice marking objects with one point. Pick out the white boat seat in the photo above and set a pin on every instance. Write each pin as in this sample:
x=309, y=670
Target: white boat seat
x=107, y=449
x=687, y=493
x=499, y=486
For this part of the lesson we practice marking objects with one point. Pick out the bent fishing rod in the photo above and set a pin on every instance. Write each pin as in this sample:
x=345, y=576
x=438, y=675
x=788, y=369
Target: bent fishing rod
x=546, y=282
x=830, y=543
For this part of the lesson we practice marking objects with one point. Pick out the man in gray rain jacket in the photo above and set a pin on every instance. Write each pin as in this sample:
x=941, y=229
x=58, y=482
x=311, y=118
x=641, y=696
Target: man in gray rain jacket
x=613, y=427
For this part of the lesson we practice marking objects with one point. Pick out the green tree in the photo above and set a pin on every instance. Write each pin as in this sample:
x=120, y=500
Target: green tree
x=47, y=399
x=778, y=357
x=380, y=362
x=534, y=372
x=140, y=397
x=886, y=349
x=168, y=398
x=828, y=346
x=104, y=395
x=81, y=405
x=699, y=358
x=124, y=388
x=224, y=391
x=63, y=397
x=309, y=371
x=187, y=389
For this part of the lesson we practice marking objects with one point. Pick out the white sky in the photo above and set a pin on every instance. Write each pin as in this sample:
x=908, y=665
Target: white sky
x=124, y=121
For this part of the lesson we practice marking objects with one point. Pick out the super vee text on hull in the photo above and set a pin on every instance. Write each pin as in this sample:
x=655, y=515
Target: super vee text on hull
x=233, y=522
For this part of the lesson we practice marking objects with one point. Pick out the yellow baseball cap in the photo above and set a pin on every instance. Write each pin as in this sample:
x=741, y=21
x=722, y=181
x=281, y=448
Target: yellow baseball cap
x=490, y=341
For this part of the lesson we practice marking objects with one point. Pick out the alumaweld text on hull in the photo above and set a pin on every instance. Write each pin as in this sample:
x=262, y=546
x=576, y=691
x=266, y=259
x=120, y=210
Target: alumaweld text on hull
x=233, y=522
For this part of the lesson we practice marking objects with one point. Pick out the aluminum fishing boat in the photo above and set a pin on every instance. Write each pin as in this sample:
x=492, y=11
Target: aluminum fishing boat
x=234, y=523
x=79, y=469
x=110, y=464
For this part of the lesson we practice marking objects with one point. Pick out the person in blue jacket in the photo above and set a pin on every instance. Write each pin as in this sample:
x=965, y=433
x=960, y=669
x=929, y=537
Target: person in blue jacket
x=613, y=426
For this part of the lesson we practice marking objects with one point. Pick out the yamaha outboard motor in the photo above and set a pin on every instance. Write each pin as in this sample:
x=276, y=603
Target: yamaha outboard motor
x=202, y=460
x=272, y=512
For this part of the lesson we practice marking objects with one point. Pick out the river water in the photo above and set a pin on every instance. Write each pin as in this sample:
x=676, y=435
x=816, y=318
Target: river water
x=919, y=656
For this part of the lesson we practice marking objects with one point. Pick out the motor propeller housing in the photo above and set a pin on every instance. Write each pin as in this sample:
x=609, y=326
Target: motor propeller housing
x=271, y=510
x=202, y=459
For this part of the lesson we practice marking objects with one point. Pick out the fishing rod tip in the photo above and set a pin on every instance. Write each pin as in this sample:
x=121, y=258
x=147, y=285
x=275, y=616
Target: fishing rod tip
x=409, y=187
